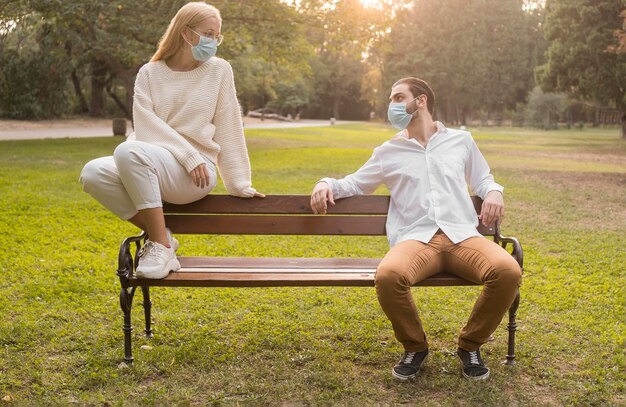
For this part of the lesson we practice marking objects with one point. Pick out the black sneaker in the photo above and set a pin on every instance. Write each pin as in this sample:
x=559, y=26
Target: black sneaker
x=409, y=366
x=473, y=366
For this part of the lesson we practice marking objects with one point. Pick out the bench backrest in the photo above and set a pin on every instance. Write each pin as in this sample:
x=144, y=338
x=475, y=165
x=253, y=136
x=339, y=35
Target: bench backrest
x=284, y=215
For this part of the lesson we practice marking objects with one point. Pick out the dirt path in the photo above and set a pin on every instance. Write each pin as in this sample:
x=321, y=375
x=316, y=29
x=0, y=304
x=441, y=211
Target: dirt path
x=20, y=125
x=27, y=130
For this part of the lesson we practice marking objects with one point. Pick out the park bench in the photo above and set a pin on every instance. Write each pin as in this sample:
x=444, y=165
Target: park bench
x=278, y=215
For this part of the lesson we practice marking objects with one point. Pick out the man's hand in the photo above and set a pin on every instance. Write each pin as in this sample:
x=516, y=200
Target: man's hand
x=321, y=195
x=200, y=176
x=493, y=209
x=258, y=195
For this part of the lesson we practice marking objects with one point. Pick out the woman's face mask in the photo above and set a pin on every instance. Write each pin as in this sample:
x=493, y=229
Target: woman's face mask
x=205, y=49
x=398, y=116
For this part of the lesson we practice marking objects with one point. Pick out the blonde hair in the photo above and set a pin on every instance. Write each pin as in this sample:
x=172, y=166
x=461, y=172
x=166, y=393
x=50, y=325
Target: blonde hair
x=189, y=15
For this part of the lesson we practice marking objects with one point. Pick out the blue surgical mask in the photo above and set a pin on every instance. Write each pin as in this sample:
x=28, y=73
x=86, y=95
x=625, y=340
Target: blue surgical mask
x=398, y=116
x=205, y=49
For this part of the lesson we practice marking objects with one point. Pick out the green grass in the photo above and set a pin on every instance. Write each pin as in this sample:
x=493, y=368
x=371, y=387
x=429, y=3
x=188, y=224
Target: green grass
x=60, y=330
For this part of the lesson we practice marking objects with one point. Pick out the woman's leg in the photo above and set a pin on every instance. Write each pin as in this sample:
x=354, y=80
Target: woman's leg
x=101, y=179
x=151, y=175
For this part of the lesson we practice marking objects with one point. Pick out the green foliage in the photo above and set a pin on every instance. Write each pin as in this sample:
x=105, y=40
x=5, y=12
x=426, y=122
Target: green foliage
x=340, y=34
x=104, y=43
x=326, y=58
x=266, y=46
x=544, y=109
x=32, y=86
x=480, y=58
x=61, y=336
x=580, y=34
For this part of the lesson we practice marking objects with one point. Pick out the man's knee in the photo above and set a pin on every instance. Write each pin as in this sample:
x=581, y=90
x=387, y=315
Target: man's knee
x=507, y=272
x=388, y=276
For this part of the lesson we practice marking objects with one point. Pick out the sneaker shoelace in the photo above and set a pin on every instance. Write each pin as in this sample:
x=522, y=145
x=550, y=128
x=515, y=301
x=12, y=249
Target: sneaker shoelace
x=474, y=358
x=150, y=249
x=408, y=358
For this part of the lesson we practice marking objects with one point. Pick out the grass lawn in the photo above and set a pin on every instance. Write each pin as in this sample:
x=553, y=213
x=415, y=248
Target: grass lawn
x=60, y=327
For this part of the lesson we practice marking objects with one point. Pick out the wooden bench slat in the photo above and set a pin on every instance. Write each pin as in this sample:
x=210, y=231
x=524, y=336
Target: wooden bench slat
x=278, y=262
x=226, y=214
x=281, y=271
x=280, y=278
x=277, y=271
x=277, y=225
x=280, y=204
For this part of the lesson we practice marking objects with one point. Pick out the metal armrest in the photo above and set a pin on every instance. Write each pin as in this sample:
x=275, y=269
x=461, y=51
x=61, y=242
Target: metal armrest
x=503, y=241
x=126, y=261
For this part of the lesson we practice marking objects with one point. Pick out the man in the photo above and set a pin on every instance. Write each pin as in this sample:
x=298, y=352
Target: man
x=431, y=225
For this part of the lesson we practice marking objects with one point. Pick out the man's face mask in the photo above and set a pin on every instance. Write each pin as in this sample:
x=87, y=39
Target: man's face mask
x=398, y=116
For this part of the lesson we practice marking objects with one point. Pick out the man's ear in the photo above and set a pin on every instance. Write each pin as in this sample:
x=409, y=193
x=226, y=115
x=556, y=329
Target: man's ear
x=423, y=99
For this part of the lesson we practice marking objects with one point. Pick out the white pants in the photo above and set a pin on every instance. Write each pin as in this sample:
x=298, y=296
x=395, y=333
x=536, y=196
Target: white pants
x=139, y=176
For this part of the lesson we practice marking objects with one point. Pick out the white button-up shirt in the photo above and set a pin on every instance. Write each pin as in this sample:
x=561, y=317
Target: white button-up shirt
x=428, y=186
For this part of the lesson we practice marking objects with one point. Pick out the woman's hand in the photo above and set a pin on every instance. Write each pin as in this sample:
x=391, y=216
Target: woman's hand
x=321, y=195
x=200, y=176
x=493, y=209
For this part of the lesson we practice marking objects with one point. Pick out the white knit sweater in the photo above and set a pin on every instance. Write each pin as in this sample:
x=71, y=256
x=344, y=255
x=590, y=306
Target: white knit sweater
x=194, y=114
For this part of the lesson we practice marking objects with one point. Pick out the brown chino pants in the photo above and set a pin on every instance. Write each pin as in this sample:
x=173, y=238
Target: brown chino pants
x=475, y=259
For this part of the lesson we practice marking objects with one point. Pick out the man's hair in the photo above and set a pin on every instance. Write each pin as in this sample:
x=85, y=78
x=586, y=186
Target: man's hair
x=420, y=87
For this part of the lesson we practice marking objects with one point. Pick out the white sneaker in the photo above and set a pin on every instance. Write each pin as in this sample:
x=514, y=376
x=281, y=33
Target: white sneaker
x=171, y=239
x=156, y=261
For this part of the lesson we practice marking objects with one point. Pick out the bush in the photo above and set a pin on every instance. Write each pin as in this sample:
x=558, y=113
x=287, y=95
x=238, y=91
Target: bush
x=544, y=109
x=32, y=86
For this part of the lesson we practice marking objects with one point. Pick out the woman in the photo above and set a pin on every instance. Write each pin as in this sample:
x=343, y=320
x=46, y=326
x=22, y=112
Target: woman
x=432, y=225
x=187, y=124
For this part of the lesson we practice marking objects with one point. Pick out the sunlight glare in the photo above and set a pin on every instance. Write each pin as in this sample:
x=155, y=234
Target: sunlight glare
x=371, y=3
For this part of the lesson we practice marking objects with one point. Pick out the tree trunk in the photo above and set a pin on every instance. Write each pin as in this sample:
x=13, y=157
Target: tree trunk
x=336, y=101
x=117, y=100
x=130, y=93
x=82, y=102
x=624, y=125
x=98, y=84
x=78, y=90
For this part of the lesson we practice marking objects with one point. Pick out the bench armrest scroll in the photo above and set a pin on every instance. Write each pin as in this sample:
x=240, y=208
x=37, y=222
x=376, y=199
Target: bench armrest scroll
x=126, y=260
x=517, y=253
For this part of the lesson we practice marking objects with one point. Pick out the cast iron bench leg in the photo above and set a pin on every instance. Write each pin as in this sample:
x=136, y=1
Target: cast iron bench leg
x=147, y=308
x=126, y=303
x=512, y=327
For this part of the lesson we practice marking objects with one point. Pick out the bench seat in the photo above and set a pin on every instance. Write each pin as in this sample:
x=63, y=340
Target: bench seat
x=279, y=272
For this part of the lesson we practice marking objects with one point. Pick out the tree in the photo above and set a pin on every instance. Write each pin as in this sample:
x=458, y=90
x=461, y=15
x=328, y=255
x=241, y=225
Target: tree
x=544, y=109
x=580, y=34
x=476, y=55
x=339, y=32
x=104, y=43
x=266, y=45
x=32, y=72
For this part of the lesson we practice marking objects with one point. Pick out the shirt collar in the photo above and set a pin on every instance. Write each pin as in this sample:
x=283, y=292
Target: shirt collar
x=404, y=134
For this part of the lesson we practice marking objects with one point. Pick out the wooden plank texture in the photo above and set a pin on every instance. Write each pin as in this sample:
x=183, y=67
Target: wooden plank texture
x=291, y=263
x=280, y=204
x=280, y=277
x=288, y=205
x=277, y=225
